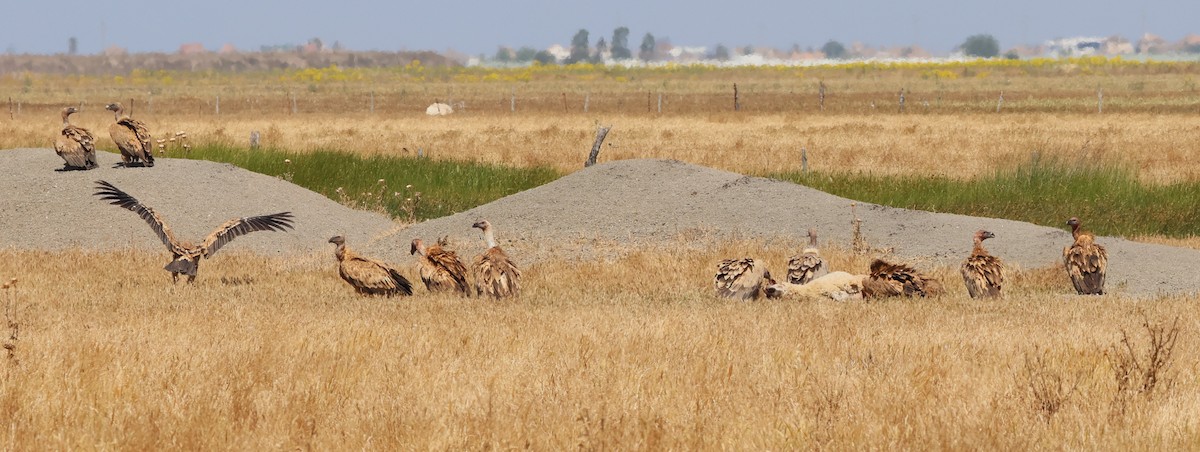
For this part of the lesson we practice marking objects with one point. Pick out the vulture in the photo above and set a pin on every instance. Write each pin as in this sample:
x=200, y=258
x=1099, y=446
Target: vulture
x=808, y=265
x=982, y=272
x=893, y=280
x=132, y=138
x=495, y=274
x=76, y=145
x=1085, y=260
x=836, y=286
x=741, y=278
x=440, y=268
x=368, y=276
x=185, y=256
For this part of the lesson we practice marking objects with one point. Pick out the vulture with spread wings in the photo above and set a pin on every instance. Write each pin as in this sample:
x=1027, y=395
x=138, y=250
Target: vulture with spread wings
x=185, y=256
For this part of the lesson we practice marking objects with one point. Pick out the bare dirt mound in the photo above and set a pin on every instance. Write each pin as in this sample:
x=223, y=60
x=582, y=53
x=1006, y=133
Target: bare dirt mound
x=641, y=201
x=44, y=209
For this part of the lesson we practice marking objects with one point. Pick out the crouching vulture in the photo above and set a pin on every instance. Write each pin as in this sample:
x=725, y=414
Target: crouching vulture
x=742, y=279
x=808, y=265
x=1086, y=261
x=495, y=273
x=185, y=256
x=132, y=138
x=368, y=276
x=440, y=268
x=892, y=280
x=76, y=145
x=982, y=272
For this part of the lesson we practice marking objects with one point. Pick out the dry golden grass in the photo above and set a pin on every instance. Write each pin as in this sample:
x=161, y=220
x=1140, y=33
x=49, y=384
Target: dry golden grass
x=960, y=146
x=950, y=125
x=629, y=354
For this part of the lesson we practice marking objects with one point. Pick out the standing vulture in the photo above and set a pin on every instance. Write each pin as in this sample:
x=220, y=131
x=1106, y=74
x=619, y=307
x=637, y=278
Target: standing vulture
x=440, y=268
x=982, y=272
x=808, y=265
x=742, y=278
x=892, y=280
x=132, y=138
x=495, y=274
x=76, y=145
x=1085, y=260
x=185, y=256
x=368, y=276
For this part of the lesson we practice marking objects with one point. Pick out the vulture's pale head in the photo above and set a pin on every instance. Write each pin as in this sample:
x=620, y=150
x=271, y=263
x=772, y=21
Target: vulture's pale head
x=417, y=247
x=1073, y=222
x=482, y=225
x=337, y=240
x=982, y=235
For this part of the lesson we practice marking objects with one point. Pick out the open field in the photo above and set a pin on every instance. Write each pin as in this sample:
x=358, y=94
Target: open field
x=634, y=353
x=949, y=125
x=617, y=341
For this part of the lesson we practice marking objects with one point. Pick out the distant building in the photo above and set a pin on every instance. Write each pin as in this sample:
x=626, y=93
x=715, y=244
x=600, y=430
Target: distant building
x=1087, y=46
x=191, y=48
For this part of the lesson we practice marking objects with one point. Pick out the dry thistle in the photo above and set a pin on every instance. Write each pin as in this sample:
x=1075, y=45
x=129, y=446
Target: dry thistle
x=858, y=243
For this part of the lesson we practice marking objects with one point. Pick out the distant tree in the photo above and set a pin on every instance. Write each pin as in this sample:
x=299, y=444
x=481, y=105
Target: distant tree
x=721, y=53
x=503, y=55
x=748, y=50
x=834, y=50
x=72, y=46
x=648, y=50
x=982, y=45
x=526, y=54
x=579, y=47
x=601, y=49
x=620, y=44
x=1012, y=54
x=544, y=57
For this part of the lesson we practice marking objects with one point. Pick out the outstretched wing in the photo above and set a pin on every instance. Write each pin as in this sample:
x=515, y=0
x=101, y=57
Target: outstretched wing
x=234, y=228
x=116, y=197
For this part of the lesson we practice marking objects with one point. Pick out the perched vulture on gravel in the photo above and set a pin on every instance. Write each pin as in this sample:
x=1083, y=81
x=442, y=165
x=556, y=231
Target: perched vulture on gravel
x=368, y=276
x=76, y=145
x=836, y=286
x=132, y=138
x=185, y=256
x=808, y=265
x=495, y=274
x=440, y=269
x=741, y=278
x=982, y=272
x=893, y=280
x=1086, y=261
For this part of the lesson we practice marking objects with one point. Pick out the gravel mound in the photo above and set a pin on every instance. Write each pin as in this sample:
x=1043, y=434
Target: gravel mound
x=584, y=215
x=644, y=201
x=46, y=209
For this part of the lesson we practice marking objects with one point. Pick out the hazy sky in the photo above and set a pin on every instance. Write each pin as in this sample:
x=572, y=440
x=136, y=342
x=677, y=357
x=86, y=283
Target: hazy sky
x=478, y=26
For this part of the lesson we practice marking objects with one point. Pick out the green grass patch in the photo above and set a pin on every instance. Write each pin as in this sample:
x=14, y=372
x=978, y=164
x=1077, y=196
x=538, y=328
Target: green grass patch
x=438, y=187
x=1109, y=199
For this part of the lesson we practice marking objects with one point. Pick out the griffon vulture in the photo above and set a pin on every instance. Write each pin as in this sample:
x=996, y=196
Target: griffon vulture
x=132, y=138
x=982, y=272
x=1086, y=261
x=440, y=268
x=742, y=278
x=808, y=265
x=495, y=274
x=185, y=256
x=892, y=280
x=368, y=276
x=76, y=145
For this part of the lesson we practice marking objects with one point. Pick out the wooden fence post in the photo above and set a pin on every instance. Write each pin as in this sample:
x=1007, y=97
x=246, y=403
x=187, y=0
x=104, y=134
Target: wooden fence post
x=737, y=106
x=660, y=103
x=821, y=94
x=586, y=98
x=601, y=132
x=1099, y=100
x=1000, y=103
